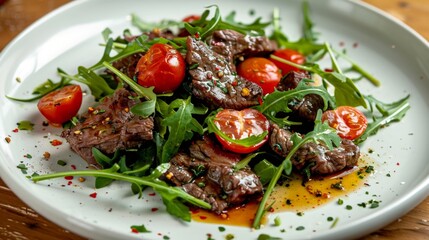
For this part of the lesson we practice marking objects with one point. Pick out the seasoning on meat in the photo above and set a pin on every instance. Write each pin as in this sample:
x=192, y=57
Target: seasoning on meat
x=207, y=172
x=323, y=160
x=110, y=126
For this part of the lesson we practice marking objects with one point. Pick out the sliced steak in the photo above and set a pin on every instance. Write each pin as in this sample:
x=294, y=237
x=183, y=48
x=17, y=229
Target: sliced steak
x=318, y=156
x=207, y=172
x=215, y=81
x=305, y=109
x=232, y=44
x=109, y=127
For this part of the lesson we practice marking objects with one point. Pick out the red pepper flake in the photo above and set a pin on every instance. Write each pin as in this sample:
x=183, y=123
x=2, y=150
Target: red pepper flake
x=15, y=130
x=203, y=217
x=93, y=195
x=69, y=183
x=152, y=194
x=154, y=209
x=133, y=230
x=197, y=35
x=73, y=166
x=328, y=70
x=56, y=142
x=68, y=177
x=397, y=164
x=260, y=100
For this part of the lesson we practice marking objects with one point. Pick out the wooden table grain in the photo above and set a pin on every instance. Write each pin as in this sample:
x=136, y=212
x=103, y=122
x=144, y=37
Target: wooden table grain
x=18, y=221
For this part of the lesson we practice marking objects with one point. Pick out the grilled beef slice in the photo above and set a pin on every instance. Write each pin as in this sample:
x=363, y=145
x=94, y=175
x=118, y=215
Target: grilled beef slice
x=207, y=172
x=304, y=109
x=109, y=127
x=215, y=81
x=322, y=160
x=232, y=44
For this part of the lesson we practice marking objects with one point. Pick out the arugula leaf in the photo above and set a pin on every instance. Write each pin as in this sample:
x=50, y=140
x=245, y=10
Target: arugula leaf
x=140, y=229
x=309, y=34
x=178, y=121
x=346, y=93
x=166, y=192
x=390, y=112
x=145, y=108
x=305, y=45
x=265, y=171
x=99, y=87
x=277, y=102
x=204, y=27
x=355, y=67
x=245, y=161
x=43, y=89
x=140, y=44
x=322, y=133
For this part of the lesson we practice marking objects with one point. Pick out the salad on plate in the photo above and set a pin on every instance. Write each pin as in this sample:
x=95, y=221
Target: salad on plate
x=216, y=115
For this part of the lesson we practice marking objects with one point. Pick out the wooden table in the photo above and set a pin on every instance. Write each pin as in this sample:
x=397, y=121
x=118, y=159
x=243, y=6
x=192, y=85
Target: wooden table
x=18, y=221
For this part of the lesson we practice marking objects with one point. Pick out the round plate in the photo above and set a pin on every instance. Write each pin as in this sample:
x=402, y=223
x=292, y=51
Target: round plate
x=69, y=37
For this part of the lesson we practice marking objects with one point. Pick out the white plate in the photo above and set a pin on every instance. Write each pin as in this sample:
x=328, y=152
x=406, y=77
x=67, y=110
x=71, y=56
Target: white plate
x=69, y=37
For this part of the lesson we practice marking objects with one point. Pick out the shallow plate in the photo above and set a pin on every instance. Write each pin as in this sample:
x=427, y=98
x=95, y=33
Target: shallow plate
x=69, y=37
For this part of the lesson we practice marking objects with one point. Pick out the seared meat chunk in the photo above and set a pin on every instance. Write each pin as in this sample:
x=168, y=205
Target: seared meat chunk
x=318, y=156
x=126, y=65
x=232, y=44
x=207, y=172
x=215, y=81
x=110, y=126
x=292, y=79
x=304, y=109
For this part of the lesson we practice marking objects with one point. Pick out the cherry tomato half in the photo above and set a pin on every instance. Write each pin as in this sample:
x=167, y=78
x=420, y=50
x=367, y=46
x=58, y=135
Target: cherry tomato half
x=349, y=122
x=260, y=71
x=191, y=18
x=290, y=55
x=240, y=125
x=162, y=67
x=61, y=105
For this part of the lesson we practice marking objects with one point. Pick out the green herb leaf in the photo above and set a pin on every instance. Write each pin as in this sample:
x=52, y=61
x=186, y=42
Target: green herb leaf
x=179, y=122
x=265, y=171
x=322, y=133
x=140, y=229
x=383, y=114
x=277, y=102
x=166, y=191
x=42, y=90
x=140, y=44
x=25, y=125
x=264, y=236
x=245, y=161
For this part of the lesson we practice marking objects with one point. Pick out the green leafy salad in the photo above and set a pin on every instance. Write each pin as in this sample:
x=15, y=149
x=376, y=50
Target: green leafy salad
x=260, y=98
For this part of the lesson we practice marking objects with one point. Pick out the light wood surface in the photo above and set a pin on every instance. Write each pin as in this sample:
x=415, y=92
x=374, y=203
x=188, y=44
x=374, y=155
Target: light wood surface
x=18, y=221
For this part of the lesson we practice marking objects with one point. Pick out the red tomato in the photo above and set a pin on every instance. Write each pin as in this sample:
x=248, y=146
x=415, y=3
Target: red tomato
x=162, y=67
x=61, y=105
x=191, y=18
x=290, y=55
x=260, y=71
x=240, y=125
x=349, y=122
